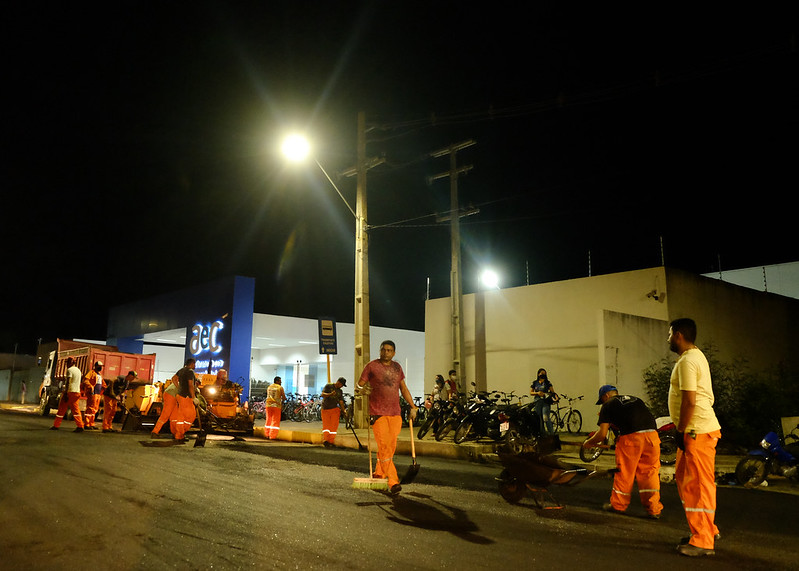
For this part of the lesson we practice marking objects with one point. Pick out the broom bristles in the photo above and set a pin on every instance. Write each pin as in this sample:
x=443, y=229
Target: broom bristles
x=370, y=483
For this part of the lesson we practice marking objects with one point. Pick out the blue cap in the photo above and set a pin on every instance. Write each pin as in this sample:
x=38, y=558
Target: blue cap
x=605, y=389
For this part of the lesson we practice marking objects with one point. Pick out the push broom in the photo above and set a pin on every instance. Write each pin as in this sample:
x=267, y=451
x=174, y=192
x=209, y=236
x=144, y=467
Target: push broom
x=370, y=483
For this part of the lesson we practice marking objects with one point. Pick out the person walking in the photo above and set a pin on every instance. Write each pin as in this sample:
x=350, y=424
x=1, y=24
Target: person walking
x=637, y=450
x=698, y=431
x=384, y=381
x=332, y=408
x=70, y=397
x=186, y=401
x=92, y=386
x=543, y=396
x=275, y=397
x=113, y=391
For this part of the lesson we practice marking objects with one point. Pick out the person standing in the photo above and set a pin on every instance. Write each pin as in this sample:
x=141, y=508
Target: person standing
x=332, y=408
x=92, y=387
x=275, y=397
x=386, y=382
x=452, y=384
x=543, y=396
x=70, y=397
x=112, y=394
x=698, y=431
x=637, y=450
x=186, y=401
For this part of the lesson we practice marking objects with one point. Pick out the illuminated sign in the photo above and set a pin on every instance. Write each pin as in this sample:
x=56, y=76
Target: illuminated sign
x=209, y=345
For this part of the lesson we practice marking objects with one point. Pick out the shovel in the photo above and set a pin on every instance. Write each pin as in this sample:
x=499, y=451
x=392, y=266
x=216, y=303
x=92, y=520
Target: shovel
x=413, y=469
x=202, y=435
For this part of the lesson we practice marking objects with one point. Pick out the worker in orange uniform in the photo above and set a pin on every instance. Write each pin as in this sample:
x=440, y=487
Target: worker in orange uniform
x=186, y=401
x=70, y=397
x=332, y=409
x=113, y=391
x=698, y=431
x=275, y=397
x=92, y=386
x=169, y=412
x=637, y=450
x=386, y=382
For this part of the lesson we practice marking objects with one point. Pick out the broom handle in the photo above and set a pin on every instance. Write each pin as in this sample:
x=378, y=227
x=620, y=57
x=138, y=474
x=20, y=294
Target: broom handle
x=369, y=443
x=413, y=446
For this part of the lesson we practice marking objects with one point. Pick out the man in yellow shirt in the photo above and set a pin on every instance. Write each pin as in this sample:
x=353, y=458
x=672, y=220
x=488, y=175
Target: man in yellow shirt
x=698, y=431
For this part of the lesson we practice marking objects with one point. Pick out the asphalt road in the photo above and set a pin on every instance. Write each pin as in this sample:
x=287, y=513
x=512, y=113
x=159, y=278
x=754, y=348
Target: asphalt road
x=123, y=501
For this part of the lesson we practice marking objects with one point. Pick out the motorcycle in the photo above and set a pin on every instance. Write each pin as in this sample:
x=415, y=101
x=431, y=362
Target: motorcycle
x=520, y=427
x=668, y=443
x=773, y=457
x=481, y=420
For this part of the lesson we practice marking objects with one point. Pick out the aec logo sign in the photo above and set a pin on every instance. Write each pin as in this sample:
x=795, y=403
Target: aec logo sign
x=209, y=345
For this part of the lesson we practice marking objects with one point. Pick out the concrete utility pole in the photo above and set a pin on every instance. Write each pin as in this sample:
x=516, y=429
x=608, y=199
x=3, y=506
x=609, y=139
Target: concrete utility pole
x=456, y=292
x=361, y=265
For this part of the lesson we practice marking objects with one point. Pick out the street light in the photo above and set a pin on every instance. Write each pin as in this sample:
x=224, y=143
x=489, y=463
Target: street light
x=489, y=279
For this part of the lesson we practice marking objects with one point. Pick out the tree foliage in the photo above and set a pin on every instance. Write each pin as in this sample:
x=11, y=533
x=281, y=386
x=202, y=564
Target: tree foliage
x=748, y=404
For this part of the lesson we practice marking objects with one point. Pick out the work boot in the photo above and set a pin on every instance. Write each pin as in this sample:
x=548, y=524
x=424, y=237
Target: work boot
x=53, y=428
x=686, y=540
x=155, y=435
x=694, y=551
x=396, y=489
x=609, y=508
x=78, y=429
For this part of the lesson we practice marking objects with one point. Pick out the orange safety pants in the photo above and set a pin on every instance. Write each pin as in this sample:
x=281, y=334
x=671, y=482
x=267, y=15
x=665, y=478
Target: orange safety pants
x=696, y=483
x=168, y=413
x=386, y=430
x=185, y=417
x=272, y=424
x=638, y=460
x=71, y=403
x=109, y=410
x=330, y=419
x=92, y=406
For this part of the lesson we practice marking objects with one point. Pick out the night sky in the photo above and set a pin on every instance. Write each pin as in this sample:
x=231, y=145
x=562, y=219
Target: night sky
x=142, y=150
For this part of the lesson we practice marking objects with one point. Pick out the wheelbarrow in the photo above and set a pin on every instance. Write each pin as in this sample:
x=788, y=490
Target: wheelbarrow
x=534, y=472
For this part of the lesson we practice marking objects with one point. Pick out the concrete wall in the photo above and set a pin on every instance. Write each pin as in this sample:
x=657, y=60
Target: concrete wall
x=607, y=329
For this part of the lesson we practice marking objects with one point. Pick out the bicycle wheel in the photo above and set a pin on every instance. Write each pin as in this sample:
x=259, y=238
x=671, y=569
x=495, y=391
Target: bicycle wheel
x=588, y=455
x=555, y=420
x=574, y=422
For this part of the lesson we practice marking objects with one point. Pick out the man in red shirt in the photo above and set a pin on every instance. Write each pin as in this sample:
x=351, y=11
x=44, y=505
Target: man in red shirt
x=386, y=382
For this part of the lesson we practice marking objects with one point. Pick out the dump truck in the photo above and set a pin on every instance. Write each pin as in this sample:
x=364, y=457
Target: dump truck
x=115, y=363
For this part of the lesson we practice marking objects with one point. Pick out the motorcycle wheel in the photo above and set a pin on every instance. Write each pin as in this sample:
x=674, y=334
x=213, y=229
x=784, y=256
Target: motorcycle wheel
x=575, y=421
x=425, y=428
x=588, y=455
x=751, y=471
x=514, y=442
x=668, y=450
x=444, y=429
x=463, y=431
x=510, y=488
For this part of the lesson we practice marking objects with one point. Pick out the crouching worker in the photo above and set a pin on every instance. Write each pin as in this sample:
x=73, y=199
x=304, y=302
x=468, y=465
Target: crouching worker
x=637, y=450
x=113, y=391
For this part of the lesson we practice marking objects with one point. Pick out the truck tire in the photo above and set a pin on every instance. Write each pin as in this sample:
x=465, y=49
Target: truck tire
x=44, y=404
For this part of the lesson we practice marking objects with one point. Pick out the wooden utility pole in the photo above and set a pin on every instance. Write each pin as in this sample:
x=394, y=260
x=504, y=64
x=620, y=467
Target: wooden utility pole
x=456, y=292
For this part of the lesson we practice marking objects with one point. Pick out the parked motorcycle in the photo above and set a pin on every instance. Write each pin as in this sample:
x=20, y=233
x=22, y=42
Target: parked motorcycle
x=668, y=443
x=481, y=420
x=520, y=427
x=773, y=457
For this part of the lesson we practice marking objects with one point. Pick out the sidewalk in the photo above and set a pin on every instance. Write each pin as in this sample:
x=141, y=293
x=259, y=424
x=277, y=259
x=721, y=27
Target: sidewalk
x=484, y=451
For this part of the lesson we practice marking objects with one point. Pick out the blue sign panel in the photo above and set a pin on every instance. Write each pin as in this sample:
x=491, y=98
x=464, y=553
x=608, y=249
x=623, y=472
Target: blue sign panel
x=327, y=336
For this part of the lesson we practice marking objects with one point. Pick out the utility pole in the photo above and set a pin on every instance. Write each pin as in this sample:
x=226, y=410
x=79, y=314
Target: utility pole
x=456, y=291
x=361, y=264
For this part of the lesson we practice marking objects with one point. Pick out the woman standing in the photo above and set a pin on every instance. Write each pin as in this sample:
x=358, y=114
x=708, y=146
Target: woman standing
x=543, y=396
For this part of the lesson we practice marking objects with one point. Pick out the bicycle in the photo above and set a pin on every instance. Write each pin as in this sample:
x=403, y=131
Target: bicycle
x=571, y=420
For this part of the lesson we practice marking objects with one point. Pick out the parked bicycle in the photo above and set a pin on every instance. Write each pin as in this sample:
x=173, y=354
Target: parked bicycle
x=564, y=416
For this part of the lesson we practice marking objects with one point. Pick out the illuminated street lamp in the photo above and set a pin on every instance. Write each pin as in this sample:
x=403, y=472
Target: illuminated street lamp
x=489, y=279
